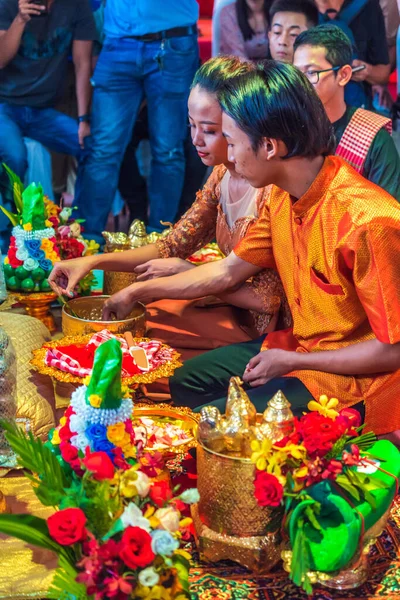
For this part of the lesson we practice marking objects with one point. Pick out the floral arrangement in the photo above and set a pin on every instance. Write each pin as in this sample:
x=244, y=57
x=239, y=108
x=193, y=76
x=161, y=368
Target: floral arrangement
x=160, y=434
x=314, y=477
x=42, y=234
x=118, y=527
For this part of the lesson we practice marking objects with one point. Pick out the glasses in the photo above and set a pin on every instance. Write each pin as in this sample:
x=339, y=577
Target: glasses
x=313, y=76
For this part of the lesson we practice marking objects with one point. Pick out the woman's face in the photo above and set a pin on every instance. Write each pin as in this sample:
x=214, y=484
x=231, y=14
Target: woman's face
x=205, y=117
x=255, y=5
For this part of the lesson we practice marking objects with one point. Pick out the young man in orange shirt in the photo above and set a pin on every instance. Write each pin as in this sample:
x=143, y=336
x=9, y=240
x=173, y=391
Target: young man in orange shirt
x=334, y=238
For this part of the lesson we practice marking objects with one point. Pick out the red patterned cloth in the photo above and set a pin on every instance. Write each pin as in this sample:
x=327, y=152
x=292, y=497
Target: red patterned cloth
x=78, y=360
x=359, y=135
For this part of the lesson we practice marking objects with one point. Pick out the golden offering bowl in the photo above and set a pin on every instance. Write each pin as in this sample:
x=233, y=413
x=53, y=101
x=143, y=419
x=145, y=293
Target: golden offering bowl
x=88, y=320
x=114, y=281
x=229, y=523
x=37, y=304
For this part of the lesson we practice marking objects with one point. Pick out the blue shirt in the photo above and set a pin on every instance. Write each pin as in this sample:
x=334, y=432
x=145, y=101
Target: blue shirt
x=138, y=17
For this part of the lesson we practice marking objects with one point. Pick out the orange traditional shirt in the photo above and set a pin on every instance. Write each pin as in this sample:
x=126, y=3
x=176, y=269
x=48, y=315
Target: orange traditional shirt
x=337, y=251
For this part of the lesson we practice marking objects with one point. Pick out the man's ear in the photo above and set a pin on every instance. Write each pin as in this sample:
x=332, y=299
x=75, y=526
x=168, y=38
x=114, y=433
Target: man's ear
x=270, y=148
x=344, y=75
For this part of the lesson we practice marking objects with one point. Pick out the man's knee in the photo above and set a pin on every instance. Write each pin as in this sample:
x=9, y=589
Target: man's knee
x=165, y=154
x=16, y=160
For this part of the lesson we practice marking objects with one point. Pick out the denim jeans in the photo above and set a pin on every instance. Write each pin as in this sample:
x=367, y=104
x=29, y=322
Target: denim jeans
x=128, y=71
x=53, y=129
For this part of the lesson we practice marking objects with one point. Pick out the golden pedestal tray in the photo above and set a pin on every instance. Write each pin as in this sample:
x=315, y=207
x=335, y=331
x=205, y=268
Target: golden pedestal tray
x=37, y=304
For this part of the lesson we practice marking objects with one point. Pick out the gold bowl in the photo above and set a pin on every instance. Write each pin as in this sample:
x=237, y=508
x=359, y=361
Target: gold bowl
x=88, y=311
x=114, y=281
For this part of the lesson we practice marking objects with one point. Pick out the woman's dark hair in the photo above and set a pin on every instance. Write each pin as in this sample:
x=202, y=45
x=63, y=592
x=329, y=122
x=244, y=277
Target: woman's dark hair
x=339, y=51
x=277, y=101
x=243, y=14
x=216, y=71
x=308, y=8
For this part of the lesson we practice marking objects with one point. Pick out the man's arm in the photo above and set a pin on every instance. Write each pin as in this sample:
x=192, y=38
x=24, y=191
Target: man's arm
x=210, y=279
x=10, y=40
x=363, y=358
x=373, y=74
x=82, y=57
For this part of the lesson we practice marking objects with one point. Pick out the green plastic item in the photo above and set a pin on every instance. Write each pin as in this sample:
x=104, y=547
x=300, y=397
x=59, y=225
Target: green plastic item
x=106, y=375
x=335, y=545
x=33, y=209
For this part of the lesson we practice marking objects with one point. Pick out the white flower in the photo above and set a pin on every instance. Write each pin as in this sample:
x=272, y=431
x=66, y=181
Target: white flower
x=22, y=254
x=30, y=264
x=190, y=496
x=65, y=213
x=168, y=517
x=148, y=577
x=80, y=441
x=77, y=424
x=133, y=516
x=142, y=484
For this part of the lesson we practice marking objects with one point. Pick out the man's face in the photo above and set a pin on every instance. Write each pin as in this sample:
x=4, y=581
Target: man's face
x=249, y=164
x=309, y=59
x=285, y=28
x=324, y=5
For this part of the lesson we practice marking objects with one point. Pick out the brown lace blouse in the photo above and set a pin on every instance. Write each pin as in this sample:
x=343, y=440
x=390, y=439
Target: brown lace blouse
x=206, y=221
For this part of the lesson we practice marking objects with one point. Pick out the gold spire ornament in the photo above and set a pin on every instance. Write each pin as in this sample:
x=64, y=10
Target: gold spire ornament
x=137, y=234
x=278, y=419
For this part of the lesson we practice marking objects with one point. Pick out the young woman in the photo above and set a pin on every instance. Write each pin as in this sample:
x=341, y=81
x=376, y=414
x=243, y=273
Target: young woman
x=242, y=29
x=223, y=210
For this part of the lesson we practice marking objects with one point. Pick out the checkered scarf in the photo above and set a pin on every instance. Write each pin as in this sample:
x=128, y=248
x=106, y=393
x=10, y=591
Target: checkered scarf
x=359, y=135
x=156, y=355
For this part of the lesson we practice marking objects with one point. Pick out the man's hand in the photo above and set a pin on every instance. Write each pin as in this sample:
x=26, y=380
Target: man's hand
x=26, y=10
x=83, y=132
x=360, y=75
x=161, y=267
x=119, y=305
x=267, y=365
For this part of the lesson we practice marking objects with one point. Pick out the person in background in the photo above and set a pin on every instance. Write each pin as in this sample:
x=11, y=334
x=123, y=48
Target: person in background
x=35, y=43
x=382, y=99
x=243, y=29
x=150, y=51
x=288, y=18
x=324, y=55
x=363, y=22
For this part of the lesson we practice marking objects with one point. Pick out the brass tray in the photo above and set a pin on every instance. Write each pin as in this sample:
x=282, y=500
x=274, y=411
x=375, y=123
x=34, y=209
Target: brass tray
x=165, y=370
x=181, y=413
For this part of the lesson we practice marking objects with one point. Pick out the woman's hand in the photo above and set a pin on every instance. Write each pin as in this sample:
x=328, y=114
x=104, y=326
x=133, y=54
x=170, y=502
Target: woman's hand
x=66, y=274
x=162, y=267
x=267, y=365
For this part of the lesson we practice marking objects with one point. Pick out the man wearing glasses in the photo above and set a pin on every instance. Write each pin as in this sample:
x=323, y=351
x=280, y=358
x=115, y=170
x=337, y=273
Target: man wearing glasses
x=324, y=55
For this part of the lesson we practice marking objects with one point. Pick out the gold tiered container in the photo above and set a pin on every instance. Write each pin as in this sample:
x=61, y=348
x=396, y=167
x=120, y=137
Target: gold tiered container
x=228, y=521
x=78, y=313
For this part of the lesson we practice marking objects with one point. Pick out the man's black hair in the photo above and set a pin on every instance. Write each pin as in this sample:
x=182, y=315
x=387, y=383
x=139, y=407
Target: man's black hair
x=307, y=8
x=331, y=37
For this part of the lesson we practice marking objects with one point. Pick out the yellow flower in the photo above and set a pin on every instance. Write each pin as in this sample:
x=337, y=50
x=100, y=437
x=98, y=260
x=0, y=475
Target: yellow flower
x=184, y=554
x=324, y=406
x=48, y=223
x=63, y=420
x=27, y=227
x=95, y=400
x=6, y=261
x=129, y=451
x=185, y=522
x=46, y=244
x=154, y=522
x=55, y=440
x=261, y=453
x=92, y=247
x=52, y=209
x=128, y=483
x=86, y=380
x=116, y=433
x=294, y=450
x=125, y=391
x=298, y=477
x=149, y=512
x=157, y=592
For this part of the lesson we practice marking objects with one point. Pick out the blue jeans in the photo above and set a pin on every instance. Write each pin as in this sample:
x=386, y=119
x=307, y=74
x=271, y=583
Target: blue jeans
x=53, y=129
x=128, y=71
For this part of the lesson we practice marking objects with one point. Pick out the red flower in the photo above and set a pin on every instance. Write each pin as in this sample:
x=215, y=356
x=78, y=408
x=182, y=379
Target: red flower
x=353, y=457
x=268, y=490
x=319, y=433
x=118, y=587
x=109, y=550
x=14, y=261
x=65, y=433
x=67, y=526
x=70, y=411
x=68, y=452
x=119, y=459
x=100, y=464
x=136, y=548
x=160, y=492
x=71, y=248
x=12, y=241
x=55, y=221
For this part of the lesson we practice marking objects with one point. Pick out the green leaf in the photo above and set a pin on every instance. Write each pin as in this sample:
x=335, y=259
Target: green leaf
x=35, y=456
x=300, y=564
x=182, y=567
x=12, y=216
x=30, y=529
x=17, y=187
x=344, y=483
x=310, y=513
x=64, y=585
